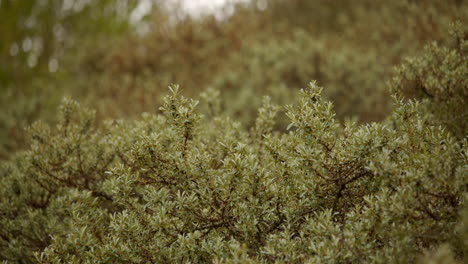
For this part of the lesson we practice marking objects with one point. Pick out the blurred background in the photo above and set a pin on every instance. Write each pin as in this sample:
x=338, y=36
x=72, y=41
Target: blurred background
x=119, y=56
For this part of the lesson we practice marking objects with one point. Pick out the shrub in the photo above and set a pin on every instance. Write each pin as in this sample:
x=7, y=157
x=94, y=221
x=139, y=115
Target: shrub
x=39, y=185
x=182, y=186
x=232, y=178
x=349, y=47
x=37, y=40
x=439, y=78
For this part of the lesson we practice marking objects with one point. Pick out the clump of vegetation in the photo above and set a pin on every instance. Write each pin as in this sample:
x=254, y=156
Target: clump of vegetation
x=183, y=186
x=439, y=79
x=37, y=38
x=349, y=47
x=234, y=177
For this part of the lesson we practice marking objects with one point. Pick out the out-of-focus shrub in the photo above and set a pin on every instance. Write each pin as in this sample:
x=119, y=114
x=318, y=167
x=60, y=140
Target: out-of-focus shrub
x=350, y=47
x=36, y=38
x=439, y=77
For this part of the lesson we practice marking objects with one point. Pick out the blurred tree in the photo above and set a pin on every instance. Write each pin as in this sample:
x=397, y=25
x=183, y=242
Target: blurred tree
x=35, y=37
x=35, y=34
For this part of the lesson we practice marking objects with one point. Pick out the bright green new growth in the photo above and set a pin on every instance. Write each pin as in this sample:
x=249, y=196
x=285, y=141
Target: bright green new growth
x=184, y=186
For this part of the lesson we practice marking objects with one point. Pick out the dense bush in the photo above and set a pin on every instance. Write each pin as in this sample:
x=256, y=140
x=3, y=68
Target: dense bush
x=181, y=186
x=439, y=79
x=233, y=177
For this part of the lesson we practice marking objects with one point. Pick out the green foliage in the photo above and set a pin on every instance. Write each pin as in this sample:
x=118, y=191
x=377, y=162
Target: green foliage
x=439, y=78
x=20, y=109
x=349, y=47
x=36, y=40
x=231, y=178
x=37, y=188
x=35, y=33
x=194, y=187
